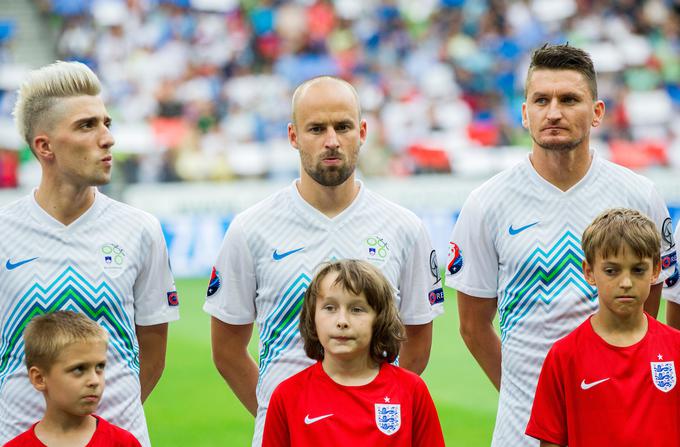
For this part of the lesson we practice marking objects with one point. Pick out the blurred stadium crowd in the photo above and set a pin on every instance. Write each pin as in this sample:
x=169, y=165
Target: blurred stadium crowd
x=200, y=89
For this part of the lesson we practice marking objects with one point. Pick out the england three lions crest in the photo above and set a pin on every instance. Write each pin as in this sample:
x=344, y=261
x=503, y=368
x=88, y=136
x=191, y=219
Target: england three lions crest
x=663, y=375
x=388, y=418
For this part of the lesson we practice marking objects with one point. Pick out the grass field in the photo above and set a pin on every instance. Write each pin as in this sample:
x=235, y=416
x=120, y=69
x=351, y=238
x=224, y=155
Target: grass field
x=193, y=406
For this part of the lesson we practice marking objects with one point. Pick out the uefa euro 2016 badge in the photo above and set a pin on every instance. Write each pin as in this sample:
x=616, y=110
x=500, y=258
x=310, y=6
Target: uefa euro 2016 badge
x=388, y=418
x=112, y=258
x=455, y=259
x=663, y=375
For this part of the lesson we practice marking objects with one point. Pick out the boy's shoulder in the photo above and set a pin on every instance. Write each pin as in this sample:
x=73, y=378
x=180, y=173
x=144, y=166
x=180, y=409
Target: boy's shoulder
x=108, y=434
x=26, y=439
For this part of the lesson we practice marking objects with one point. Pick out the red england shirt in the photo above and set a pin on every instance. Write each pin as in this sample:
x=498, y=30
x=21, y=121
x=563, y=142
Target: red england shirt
x=591, y=393
x=106, y=435
x=310, y=409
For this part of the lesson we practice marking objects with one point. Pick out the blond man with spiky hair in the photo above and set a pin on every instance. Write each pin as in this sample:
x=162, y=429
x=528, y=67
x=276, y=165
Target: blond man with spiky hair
x=67, y=246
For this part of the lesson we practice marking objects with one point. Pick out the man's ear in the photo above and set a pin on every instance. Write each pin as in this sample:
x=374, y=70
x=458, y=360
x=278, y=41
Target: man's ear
x=37, y=377
x=292, y=135
x=588, y=273
x=41, y=147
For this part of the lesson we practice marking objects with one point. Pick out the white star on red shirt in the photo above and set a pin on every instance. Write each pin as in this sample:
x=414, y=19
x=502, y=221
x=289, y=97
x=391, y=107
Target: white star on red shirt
x=387, y=400
x=660, y=357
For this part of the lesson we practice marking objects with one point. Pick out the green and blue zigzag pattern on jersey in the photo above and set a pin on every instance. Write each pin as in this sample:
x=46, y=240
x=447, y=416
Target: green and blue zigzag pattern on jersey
x=280, y=330
x=69, y=291
x=544, y=276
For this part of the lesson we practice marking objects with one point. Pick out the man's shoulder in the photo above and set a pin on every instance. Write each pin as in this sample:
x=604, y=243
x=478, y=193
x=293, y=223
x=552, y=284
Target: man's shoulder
x=279, y=201
x=496, y=187
x=14, y=207
x=618, y=173
x=117, y=211
x=382, y=206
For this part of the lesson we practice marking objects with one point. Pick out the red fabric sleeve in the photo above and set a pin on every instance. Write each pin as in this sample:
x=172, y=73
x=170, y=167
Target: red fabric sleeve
x=426, y=427
x=276, y=430
x=548, y=421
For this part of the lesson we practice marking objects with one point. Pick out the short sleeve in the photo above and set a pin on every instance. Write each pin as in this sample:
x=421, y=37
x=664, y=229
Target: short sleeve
x=427, y=429
x=420, y=284
x=672, y=283
x=276, y=430
x=233, y=285
x=658, y=212
x=472, y=265
x=154, y=291
x=548, y=421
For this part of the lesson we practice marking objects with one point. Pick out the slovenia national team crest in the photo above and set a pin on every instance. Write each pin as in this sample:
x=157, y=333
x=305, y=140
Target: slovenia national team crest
x=377, y=249
x=663, y=375
x=112, y=258
x=388, y=418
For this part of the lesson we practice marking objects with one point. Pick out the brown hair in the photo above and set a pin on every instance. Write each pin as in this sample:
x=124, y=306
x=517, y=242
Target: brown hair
x=563, y=57
x=47, y=335
x=356, y=277
x=617, y=226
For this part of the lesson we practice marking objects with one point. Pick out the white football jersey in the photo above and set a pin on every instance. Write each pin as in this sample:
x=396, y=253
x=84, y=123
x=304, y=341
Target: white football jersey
x=518, y=238
x=671, y=289
x=269, y=256
x=110, y=264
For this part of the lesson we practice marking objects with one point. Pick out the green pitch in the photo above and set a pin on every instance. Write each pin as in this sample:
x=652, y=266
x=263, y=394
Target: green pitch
x=193, y=406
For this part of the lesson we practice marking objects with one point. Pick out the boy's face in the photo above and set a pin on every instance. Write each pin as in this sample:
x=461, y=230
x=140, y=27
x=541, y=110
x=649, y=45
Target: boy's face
x=344, y=321
x=623, y=281
x=75, y=382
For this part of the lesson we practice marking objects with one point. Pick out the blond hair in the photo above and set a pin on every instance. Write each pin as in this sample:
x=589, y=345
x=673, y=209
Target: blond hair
x=46, y=336
x=613, y=228
x=356, y=277
x=41, y=91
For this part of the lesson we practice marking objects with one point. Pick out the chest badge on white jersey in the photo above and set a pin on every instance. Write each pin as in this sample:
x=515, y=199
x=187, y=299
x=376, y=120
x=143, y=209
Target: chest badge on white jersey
x=663, y=375
x=112, y=258
x=377, y=249
x=388, y=418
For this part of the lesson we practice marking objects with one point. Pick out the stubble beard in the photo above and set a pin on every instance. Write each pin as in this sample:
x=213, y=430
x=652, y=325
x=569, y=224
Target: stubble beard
x=558, y=147
x=330, y=176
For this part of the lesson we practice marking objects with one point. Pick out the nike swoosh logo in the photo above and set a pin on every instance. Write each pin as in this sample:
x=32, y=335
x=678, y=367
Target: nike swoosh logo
x=514, y=231
x=587, y=386
x=278, y=256
x=309, y=420
x=10, y=266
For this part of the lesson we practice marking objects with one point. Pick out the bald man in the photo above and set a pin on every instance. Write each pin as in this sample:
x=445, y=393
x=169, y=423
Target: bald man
x=272, y=249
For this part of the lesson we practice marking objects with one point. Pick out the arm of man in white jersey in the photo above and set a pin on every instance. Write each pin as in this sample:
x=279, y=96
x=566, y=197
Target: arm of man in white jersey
x=478, y=304
x=234, y=362
x=422, y=300
x=476, y=328
x=152, y=347
x=415, y=350
x=232, y=315
x=672, y=288
x=156, y=303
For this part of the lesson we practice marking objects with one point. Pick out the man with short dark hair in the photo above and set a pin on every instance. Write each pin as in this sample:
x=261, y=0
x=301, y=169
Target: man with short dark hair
x=516, y=247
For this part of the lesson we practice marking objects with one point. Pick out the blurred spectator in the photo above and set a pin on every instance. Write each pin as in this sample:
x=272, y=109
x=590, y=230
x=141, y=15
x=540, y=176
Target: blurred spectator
x=440, y=79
